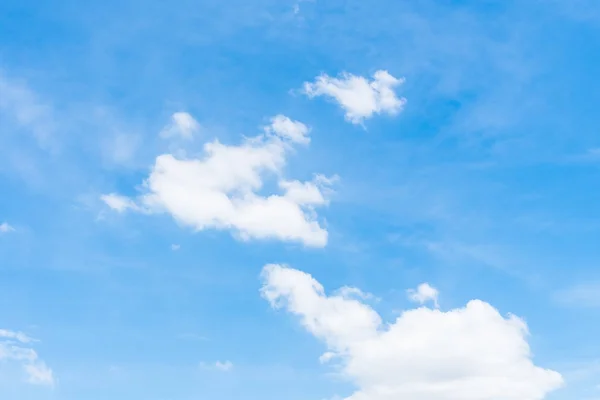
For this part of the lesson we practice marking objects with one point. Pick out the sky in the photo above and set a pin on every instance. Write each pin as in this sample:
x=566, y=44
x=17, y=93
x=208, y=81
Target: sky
x=299, y=199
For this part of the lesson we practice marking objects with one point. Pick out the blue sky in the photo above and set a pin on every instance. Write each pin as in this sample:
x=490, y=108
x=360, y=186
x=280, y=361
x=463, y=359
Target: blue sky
x=178, y=179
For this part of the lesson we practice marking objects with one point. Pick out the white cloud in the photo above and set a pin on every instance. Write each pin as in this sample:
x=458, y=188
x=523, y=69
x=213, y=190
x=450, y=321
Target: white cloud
x=359, y=97
x=423, y=294
x=175, y=247
x=284, y=127
x=221, y=189
x=18, y=336
x=16, y=347
x=182, y=125
x=469, y=353
x=326, y=357
x=223, y=366
x=6, y=228
x=118, y=203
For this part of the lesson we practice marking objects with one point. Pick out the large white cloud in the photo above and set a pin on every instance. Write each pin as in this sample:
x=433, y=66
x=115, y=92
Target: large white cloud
x=17, y=347
x=359, y=97
x=469, y=353
x=221, y=189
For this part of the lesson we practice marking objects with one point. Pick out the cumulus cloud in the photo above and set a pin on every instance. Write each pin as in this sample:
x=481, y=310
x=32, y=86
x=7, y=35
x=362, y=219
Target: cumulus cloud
x=182, y=125
x=469, y=353
x=358, y=96
x=16, y=347
x=424, y=293
x=221, y=189
x=5, y=227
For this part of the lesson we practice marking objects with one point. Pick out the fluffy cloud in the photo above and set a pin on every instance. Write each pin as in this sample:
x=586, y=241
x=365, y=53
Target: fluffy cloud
x=423, y=294
x=469, y=353
x=286, y=128
x=16, y=347
x=359, y=97
x=5, y=228
x=182, y=125
x=221, y=189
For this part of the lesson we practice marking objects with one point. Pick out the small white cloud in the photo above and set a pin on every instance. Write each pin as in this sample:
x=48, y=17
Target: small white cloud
x=6, y=228
x=294, y=131
x=182, y=125
x=470, y=353
x=16, y=347
x=223, y=366
x=423, y=294
x=175, y=247
x=359, y=97
x=119, y=203
x=221, y=189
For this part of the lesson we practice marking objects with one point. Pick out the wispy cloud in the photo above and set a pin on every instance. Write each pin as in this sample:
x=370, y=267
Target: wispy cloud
x=24, y=107
x=182, y=125
x=223, y=366
x=16, y=347
x=5, y=227
x=580, y=295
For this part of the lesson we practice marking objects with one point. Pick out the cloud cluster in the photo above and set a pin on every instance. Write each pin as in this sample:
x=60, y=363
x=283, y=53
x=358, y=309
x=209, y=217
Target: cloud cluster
x=469, y=353
x=16, y=347
x=359, y=97
x=221, y=190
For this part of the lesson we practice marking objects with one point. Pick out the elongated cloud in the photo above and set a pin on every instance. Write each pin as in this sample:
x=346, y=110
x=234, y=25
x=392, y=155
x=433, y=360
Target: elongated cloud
x=359, y=97
x=16, y=347
x=221, y=190
x=469, y=353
